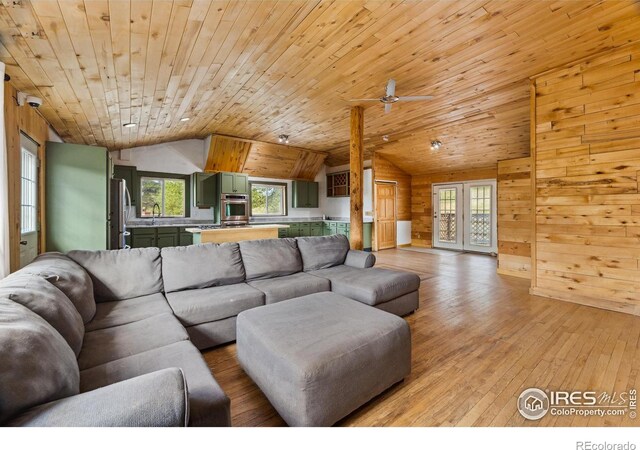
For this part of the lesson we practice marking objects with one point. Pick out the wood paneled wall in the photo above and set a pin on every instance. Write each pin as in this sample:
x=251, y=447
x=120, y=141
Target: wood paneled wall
x=587, y=165
x=421, y=199
x=515, y=215
x=384, y=170
x=27, y=120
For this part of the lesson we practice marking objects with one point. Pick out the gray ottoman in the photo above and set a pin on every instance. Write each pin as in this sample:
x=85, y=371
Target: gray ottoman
x=319, y=357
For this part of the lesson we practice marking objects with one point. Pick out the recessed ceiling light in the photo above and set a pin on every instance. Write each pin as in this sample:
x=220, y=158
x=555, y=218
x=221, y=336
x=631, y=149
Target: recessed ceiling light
x=435, y=145
x=385, y=138
x=283, y=138
x=184, y=119
x=129, y=125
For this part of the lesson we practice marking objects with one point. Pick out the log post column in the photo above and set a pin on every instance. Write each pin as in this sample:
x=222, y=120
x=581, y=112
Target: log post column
x=356, y=161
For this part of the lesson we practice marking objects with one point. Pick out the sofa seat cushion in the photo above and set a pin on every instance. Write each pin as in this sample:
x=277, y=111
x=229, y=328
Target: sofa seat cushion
x=290, y=286
x=269, y=258
x=47, y=301
x=198, y=306
x=200, y=266
x=321, y=252
x=121, y=274
x=68, y=276
x=36, y=363
x=121, y=312
x=209, y=406
x=371, y=286
x=110, y=344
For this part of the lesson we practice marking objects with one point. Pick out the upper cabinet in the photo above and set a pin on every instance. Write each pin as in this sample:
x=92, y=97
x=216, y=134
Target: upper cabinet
x=304, y=194
x=204, y=189
x=130, y=176
x=338, y=184
x=233, y=183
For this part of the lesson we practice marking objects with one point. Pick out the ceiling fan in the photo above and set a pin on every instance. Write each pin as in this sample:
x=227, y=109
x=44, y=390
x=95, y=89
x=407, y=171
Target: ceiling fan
x=390, y=97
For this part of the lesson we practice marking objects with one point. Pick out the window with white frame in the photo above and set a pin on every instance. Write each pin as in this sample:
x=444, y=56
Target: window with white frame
x=29, y=186
x=268, y=199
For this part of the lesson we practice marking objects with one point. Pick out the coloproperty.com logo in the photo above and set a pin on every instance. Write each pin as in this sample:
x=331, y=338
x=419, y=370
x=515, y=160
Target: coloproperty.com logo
x=535, y=403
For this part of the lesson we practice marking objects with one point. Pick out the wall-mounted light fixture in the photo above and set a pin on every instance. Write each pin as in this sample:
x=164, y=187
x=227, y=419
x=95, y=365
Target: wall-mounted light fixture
x=435, y=145
x=283, y=138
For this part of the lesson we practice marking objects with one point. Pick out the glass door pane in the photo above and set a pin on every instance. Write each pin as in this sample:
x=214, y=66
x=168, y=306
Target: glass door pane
x=480, y=210
x=447, y=204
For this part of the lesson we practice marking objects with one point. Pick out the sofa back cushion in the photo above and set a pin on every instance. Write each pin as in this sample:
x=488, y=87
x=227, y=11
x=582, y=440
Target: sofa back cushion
x=121, y=274
x=43, y=298
x=36, y=364
x=201, y=266
x=69, y=277
x=322, y=252
x=269, y=258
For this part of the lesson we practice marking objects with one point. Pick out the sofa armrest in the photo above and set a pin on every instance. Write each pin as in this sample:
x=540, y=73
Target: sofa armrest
x=360, y=259
x=157, y=399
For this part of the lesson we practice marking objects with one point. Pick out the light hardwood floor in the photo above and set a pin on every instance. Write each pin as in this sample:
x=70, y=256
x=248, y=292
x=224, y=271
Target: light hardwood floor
x=478, y=340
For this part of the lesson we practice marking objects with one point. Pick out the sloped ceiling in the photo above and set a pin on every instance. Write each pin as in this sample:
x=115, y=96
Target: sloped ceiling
x=260, y=69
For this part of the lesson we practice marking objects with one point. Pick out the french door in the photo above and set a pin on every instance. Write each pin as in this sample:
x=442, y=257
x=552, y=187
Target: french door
x=465, y=216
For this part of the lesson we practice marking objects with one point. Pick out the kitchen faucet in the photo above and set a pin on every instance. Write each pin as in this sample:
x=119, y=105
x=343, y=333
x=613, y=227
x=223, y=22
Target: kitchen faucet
x=153, y=213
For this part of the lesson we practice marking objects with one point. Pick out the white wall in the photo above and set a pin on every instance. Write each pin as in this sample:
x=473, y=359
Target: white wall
x=183, y=157
x=339, y=206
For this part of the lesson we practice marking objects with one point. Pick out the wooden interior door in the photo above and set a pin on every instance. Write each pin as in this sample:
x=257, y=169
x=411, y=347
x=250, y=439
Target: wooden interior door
x=385, y=215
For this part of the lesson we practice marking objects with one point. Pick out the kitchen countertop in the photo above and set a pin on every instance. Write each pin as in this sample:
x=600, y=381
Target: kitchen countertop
x=232, y=229
x=147, y=224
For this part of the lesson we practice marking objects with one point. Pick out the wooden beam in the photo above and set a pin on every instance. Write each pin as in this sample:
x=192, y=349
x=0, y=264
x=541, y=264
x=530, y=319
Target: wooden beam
x=356, y=161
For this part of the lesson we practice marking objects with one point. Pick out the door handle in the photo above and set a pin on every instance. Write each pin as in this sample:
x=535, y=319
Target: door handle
x=23, y=242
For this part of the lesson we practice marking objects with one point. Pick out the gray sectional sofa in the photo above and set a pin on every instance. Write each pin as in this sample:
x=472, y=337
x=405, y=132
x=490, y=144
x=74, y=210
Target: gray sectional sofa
x=112, y=338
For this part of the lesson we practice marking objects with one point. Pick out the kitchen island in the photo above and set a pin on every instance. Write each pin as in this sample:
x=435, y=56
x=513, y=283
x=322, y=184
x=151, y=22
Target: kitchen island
x=235, y=234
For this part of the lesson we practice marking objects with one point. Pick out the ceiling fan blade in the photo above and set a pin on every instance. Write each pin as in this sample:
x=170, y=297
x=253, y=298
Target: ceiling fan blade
x=364, y=99
x=387, y=107
x=415, y=98
x=391, y=88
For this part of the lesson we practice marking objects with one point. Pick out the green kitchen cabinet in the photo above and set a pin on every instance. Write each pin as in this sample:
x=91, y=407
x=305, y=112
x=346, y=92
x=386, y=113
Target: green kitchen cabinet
x=304, y=194
x=204, y=190
x=184, y=237
x=366, y=235
x=233, y=183
x=130, y=176
x=167, y=237
x=77, y=197
x=283, y=232
x=143, y=237
x=316, y=229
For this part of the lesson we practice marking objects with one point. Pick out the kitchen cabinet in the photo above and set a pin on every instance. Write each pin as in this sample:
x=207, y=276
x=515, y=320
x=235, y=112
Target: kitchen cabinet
x=204, y=190
x=160, y=237
x=77, y=184
x=130, y=176
x=338, y=184
x=304, y=194
x=143, y=237
x=233, y=183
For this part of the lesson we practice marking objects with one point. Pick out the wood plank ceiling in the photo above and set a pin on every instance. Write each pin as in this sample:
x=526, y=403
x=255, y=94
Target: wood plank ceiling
x=257, y=69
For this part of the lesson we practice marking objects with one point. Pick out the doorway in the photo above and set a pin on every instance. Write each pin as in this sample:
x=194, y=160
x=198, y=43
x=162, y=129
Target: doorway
x=385, y=200
x=29, y=228
x=465, y=216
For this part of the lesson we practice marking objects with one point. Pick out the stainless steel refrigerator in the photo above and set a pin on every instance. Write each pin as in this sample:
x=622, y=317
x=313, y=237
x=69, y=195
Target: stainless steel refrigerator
x=120, y=206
